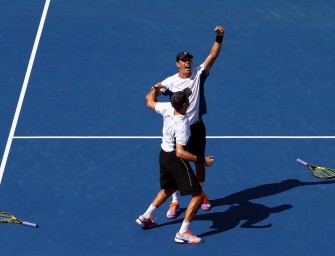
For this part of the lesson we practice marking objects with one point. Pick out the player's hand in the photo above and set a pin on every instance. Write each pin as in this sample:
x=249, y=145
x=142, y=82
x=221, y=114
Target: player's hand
x=219, y=30
x=158, y=86
x=209, y=160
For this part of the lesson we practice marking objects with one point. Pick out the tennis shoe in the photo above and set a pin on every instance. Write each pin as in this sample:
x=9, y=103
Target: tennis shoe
x=187, y=238
x=146, y=223
x=206, y=205
x=173, y=211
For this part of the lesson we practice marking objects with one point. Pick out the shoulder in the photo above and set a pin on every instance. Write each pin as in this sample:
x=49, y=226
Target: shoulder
x=200, y=68
x=182, y=121
x=169, y=80
x=163, y=107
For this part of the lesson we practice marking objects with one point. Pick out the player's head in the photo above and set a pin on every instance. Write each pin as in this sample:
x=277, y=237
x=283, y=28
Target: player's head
x=183, y=56
x=180, y=99
x=184, y=61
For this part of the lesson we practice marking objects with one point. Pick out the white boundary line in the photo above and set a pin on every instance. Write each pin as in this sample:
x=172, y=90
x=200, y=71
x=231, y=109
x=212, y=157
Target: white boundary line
x=159, y=137
x=24, y=88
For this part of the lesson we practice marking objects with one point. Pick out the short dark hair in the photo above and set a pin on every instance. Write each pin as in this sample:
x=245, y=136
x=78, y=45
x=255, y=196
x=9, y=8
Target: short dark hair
x=180, y=97
x=183, y=55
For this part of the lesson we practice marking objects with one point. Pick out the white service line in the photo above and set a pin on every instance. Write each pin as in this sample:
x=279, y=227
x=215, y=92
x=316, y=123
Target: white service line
x=159, y=137
x=24, y=88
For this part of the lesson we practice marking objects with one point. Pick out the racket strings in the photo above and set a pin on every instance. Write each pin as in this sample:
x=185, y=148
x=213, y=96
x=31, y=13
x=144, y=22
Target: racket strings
x=5, y=217
x=323, y=172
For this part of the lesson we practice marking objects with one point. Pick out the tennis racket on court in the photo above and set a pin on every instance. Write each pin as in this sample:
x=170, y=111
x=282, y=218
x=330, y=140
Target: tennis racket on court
x=6, y=217
x=319, y=171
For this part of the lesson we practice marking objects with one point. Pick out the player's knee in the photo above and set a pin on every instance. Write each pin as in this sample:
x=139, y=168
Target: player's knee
x=199, y=195
x=169, y=192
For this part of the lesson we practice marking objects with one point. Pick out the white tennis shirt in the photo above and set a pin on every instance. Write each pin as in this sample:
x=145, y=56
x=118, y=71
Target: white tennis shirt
x=176, y=129
x=175, y=83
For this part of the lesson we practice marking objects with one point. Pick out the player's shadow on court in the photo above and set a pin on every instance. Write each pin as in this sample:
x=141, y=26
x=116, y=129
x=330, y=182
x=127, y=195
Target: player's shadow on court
x=247, y=212
x=250, y=214
x=243, y=210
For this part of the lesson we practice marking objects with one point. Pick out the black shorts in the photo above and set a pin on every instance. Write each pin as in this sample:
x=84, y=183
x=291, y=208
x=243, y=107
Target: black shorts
x=197, y=141
x=176, y=173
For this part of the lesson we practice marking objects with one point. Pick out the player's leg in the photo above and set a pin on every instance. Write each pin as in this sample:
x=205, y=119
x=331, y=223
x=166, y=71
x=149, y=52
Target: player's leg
x=185, y=235
x=188, y=185
x=168, y=187
x=146, y=220
x=193, y=206
x=197, y=146
x=174, y=208
x=172, y=162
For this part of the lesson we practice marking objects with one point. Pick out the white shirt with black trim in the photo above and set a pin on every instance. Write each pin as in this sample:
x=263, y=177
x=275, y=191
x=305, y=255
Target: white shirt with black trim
x=175, y=83
x=176, y=128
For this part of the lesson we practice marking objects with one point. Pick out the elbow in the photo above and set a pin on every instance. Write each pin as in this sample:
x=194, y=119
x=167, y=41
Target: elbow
x=151, y=104
x=179, y=154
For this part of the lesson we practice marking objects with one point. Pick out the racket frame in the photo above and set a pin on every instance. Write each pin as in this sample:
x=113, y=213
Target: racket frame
x=313, y=168
x=12, y=219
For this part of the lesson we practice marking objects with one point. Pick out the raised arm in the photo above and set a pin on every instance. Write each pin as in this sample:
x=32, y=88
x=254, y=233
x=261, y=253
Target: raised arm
x=151, y=98
x=214, y=53
x=159, y=88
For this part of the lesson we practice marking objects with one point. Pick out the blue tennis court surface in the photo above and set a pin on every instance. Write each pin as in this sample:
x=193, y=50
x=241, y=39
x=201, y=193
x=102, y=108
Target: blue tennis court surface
x=95, y=62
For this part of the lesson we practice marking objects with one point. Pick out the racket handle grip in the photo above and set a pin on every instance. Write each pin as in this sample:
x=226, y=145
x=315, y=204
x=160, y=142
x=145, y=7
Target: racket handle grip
x=302, y=161
x=30, y=224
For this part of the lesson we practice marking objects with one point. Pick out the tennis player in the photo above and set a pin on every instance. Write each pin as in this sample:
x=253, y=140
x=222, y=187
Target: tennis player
x=187, y=77
x=175, y=170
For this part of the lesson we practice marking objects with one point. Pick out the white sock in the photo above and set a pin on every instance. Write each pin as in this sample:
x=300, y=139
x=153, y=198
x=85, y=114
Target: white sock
x=175, y=196
x=184, y=227
x=148, y=213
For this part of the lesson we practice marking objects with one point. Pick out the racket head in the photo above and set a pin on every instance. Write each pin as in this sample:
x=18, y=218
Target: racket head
x=319, y=171
x=322, y=172
x=6, y=217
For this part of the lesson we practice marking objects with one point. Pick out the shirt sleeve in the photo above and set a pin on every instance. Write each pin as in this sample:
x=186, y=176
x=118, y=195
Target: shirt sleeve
x=200, y=68
x=182, y=134
x=167, y=92
x=161, y=107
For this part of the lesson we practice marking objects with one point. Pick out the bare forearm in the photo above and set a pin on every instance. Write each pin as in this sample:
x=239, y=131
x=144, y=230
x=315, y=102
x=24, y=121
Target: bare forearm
x=218, y=41
x=185, y=155
x=216, y=48
x=159, y=88
x=151, y=98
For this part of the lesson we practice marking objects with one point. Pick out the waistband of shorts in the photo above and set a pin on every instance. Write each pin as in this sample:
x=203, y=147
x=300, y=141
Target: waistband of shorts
x=168, y=152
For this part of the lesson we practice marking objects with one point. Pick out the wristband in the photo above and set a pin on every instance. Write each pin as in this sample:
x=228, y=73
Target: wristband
x=200, y=160
x=219, y=39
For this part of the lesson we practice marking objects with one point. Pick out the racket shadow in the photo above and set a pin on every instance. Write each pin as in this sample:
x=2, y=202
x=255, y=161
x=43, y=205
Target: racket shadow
x=264, y=190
